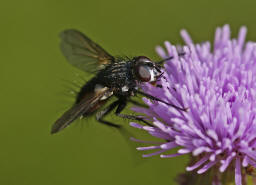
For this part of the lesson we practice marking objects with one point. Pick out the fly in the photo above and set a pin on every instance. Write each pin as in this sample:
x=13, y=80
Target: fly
x=118, y=77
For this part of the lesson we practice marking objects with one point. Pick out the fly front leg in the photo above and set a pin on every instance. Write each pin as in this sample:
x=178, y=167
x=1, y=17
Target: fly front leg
x=100, y=115
x=157, y=99
x=170, y=58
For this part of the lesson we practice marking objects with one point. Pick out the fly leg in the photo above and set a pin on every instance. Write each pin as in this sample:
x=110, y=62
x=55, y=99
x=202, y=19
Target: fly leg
x=106, y=111
x=157, y=99
x=137, y=103
x=169, y=58
x=120, y=108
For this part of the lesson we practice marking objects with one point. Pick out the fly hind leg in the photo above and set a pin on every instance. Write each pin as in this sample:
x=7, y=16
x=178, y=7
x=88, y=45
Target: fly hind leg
x=100, y=115
x=137, y=103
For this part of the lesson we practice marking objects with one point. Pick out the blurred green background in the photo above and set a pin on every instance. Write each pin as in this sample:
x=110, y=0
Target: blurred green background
x=34, y=88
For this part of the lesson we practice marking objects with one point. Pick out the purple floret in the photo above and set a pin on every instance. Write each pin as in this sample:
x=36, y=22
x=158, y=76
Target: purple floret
x=218, y=87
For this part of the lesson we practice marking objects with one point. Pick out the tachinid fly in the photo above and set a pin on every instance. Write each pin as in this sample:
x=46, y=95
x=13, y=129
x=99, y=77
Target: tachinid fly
x=115, y=77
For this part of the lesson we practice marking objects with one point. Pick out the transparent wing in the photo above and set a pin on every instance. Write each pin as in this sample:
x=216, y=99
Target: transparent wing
x=82, y=52
x=87, y=105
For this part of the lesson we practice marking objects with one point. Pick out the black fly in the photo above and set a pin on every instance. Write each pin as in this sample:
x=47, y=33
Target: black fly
x=115, y=77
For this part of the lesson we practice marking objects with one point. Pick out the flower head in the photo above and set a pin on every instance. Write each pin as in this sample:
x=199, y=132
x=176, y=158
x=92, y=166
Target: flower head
x=218, y=87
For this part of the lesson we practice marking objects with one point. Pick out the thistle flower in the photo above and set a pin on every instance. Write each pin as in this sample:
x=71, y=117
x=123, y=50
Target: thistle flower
x=218, y=87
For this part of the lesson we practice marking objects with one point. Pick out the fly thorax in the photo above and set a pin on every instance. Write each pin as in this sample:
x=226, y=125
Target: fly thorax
x=125, y=88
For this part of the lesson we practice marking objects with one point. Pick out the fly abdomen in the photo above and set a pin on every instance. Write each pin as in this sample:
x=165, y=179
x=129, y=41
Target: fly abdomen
x=86, y=89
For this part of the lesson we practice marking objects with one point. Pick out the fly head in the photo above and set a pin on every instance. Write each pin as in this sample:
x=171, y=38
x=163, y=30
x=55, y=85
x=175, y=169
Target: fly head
x=145, y=70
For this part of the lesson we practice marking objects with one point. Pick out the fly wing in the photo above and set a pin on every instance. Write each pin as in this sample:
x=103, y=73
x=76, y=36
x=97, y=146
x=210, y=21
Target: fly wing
x=85, y=106
x=82, y=52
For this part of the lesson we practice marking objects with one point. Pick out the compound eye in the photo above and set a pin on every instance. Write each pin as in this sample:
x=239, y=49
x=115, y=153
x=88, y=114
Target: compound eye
x=143, y=59
x=144, y=73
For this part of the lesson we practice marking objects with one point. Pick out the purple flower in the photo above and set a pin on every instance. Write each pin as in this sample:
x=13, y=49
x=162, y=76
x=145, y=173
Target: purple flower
x=218, y=86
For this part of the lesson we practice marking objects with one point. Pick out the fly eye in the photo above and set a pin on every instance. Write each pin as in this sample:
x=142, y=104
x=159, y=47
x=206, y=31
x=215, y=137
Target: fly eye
x=144, y=69
x=143, y=59
x=143, y=73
